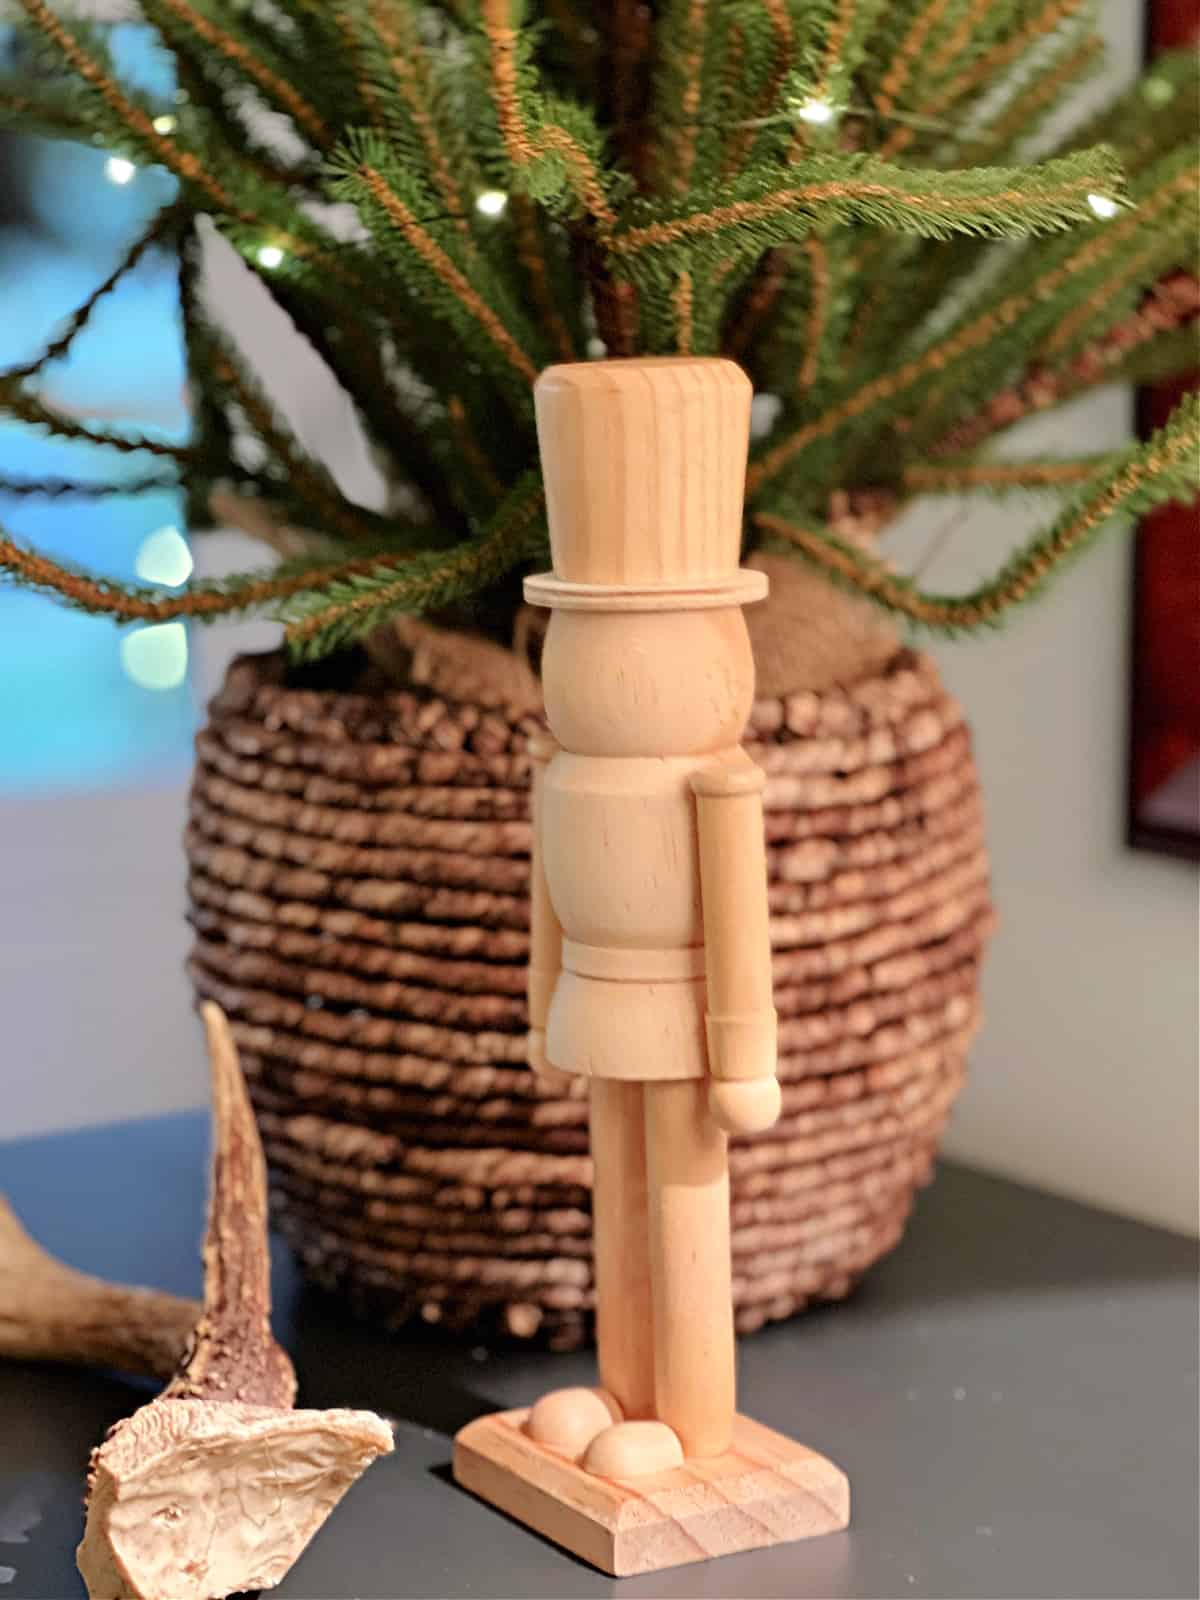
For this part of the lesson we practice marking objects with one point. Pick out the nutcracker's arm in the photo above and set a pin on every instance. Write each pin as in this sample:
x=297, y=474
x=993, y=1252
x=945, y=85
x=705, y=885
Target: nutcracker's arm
x=741, y=1023
x=545, y=934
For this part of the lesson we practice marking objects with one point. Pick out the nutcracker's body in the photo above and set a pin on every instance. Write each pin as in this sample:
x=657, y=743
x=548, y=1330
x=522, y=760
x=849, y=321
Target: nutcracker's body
x=650, y=961
x=650, y=892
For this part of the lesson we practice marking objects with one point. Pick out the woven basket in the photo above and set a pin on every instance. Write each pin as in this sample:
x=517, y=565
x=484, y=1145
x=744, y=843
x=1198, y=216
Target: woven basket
x=358, y=888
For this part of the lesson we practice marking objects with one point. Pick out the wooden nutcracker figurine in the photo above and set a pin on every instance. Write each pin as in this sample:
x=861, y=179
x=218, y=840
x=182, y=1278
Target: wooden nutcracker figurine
x=650, y=971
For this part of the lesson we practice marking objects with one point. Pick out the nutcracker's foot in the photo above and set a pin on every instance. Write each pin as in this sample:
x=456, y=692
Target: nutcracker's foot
x=633, y=1450
x=764, y=1490
x=567, y=1420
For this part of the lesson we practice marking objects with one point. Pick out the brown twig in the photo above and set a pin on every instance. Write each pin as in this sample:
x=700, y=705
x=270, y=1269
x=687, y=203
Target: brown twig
x=785, y=43
x=1022, y=111
x=532, y=256
x=30, y=408
x=614, y=302
x=629, y=34
x=679, y=154
x=309, y=478
x=471, y=450
x=818, y=310
x=959, y=37
x=497, y=552
x=835, y=41
x=682, y=303
x=757, y=303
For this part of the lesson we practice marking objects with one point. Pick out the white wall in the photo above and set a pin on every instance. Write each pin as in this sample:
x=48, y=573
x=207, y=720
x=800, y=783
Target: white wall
x=96, y=1015
x=96, y=1020
x=1085, y=1079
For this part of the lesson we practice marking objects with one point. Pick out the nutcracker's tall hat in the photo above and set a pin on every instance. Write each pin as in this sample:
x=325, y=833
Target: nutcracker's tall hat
x=644, y=463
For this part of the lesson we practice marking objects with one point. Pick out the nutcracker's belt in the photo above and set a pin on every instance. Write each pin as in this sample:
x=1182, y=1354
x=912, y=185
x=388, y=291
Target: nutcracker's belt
x=645, y=1029
x=623, y=965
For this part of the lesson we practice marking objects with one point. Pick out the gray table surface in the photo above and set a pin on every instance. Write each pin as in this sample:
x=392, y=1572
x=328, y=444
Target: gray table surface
x=1013, y=1394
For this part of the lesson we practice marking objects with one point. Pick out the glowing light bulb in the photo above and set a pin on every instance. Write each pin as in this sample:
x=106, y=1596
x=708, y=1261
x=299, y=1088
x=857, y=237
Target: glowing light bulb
x=118, y=170
x=165, y=124
x=269, y=256
x=164, y=558
x=816, y=111
x=1103, y=205
x=764, y=408
x=491, y=202
x=156, y=657
x=1158, y=91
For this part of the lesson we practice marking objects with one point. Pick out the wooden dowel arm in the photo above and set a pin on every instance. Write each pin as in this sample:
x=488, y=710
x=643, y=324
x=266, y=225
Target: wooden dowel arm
x=741, y=1047
x=741, y=1023
x=545, y=933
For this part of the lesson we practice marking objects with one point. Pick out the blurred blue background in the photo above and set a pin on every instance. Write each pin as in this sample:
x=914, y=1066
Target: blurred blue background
x=83, y=704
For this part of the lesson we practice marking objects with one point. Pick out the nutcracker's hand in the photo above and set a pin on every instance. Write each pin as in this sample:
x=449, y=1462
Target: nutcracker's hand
x=535, y=1054
x=744, y=1105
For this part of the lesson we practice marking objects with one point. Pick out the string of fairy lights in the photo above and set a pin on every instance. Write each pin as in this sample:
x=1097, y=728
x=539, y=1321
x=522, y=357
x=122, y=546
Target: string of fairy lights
x=156, y=657
x=814, y=110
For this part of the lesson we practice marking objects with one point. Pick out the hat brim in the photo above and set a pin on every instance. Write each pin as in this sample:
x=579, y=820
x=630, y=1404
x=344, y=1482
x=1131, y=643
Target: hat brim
x=740, y=588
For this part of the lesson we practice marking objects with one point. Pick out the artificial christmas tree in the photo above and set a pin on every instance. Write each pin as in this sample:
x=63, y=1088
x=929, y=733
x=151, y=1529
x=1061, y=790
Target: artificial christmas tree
x=469, y=191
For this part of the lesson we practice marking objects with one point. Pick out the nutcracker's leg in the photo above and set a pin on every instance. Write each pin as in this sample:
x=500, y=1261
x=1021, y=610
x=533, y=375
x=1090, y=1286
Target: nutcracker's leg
x=620, y=1245
x=691, y=1268
x=567, y=1420
x=687, y=1171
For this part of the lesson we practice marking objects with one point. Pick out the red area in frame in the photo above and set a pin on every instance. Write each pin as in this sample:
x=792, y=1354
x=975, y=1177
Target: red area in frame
x=1165, y=720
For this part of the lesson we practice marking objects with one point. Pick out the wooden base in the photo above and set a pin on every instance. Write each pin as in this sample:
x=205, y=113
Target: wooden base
x=765, y=1490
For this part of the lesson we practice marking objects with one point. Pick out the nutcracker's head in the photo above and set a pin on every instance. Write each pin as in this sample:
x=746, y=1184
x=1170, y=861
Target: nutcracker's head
x=645, y=463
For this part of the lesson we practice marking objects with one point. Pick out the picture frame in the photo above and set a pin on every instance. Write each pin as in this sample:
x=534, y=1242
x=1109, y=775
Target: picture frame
x=1163, y=792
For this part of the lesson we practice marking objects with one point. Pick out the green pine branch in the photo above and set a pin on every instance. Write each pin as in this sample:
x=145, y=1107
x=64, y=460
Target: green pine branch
x=964, y=474
x=37, y=413
x=426, y=251
x=83, y=489
x=987, y=346
x=291, y=472
x=1032, y=99
x=549, y=147
x=211, y=36
x=755, y=212
x=159, y=230
x=206, y=600
x=1133, y=483
x=349, y=607
x=832, y=191
x=692, y=94
x=1158, y=113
